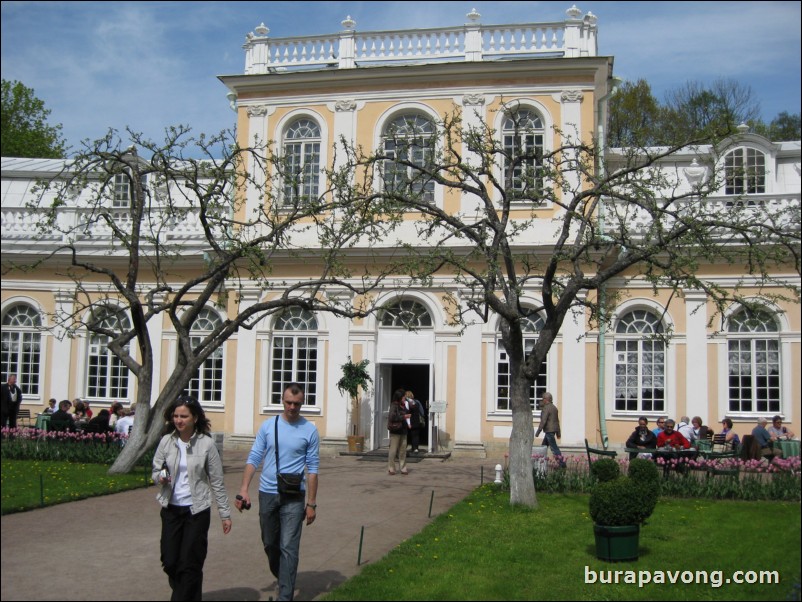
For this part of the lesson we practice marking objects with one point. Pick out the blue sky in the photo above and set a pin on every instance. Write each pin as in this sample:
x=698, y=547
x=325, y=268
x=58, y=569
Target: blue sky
x=149, y=65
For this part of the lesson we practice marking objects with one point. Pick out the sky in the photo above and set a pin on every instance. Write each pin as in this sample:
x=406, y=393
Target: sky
x=149, y=65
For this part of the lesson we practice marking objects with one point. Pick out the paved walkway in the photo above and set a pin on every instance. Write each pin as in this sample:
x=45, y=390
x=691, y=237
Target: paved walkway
x=107, y=548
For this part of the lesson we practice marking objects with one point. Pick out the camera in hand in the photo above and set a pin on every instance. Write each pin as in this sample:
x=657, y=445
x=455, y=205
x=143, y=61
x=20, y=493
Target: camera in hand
x=245, y=505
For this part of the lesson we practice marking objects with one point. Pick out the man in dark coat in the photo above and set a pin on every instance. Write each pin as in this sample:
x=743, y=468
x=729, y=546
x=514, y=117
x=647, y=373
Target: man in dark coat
x=10, y=398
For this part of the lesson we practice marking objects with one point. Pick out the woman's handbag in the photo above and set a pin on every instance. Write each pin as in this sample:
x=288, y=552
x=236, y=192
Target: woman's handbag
x=395, y=420
x=289, y=483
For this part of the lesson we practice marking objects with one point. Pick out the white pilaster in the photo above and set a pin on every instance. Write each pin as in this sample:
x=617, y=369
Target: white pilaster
x=257, y=136
x=245, y=394
x=571, y=402
x=571, y=128
x=696, y=356
x=62, y=349
x=469, y=414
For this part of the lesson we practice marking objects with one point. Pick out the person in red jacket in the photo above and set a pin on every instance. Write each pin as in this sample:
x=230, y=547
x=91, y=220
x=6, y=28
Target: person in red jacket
x=672, y=438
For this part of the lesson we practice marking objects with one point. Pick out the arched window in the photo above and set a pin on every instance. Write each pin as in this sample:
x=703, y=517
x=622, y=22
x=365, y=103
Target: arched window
x=107, y=376
x=531, y=327
x=294, y=354
x=406, y=313
x=409, y=139
x=21, y=347
x=754, y=362
x=640, y=363
x=522, y=136
x=745, y=171
x=207, y=384
x=301, y=177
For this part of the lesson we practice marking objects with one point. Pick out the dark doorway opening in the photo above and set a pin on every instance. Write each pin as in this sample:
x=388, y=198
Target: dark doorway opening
x=415, y=378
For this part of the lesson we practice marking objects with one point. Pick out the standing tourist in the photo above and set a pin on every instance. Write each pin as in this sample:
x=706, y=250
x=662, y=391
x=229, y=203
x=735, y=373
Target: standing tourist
x=188, y=469
x=285, y=445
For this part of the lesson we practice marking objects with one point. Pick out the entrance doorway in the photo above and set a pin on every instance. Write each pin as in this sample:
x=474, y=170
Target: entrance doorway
x=410, y=377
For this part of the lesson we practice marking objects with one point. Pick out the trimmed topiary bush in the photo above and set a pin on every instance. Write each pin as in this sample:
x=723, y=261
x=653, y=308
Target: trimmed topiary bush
x=605, y=470
x=626, y=500
x=643, y=471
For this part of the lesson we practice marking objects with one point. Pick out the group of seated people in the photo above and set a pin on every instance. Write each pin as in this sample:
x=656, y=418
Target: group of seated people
x=669, y=435
x=77, y=415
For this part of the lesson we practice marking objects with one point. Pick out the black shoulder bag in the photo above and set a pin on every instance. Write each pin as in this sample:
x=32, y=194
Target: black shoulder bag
x=289, y=483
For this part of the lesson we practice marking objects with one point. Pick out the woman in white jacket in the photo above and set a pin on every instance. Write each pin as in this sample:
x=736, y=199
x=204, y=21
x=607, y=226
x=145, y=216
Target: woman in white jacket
x=188, y=469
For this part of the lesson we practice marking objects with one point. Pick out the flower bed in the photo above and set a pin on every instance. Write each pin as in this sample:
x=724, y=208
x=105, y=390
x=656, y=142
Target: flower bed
x=24, y=443
x=713, y=479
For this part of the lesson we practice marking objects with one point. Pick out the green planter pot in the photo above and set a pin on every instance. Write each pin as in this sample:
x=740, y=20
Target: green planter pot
x=616, y=544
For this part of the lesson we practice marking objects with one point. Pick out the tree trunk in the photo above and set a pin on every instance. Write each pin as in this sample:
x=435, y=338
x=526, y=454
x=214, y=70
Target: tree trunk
x=148, y=425
x=522, y=482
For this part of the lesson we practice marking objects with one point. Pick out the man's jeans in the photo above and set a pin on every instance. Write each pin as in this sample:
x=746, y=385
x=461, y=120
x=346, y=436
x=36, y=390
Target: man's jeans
x=281, y=536
x=550, y=439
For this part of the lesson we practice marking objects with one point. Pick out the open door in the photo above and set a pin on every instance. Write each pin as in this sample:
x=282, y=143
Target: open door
x=384, y=389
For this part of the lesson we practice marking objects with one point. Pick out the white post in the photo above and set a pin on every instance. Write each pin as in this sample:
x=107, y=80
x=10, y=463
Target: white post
x=473, y=37
x=347, y=51
x=573, y=33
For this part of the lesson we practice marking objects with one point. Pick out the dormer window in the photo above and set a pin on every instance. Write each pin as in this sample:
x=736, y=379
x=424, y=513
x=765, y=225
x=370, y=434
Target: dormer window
x=745, y=171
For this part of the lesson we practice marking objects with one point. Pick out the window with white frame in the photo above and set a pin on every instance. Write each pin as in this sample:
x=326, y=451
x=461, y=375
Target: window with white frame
x=107, y=376
x=640, y=363
x=531, y=327
x=207, y=384
x=294, y=354
x=522, y=139
x=753, y=358
x=409, y=139
x=122, y=191
x=406, y=313
x=745, y=171
x=301, y=177
x=21, y=347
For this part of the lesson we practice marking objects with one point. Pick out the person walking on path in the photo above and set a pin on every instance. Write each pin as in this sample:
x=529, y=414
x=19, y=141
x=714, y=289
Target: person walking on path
x=550, y=426
x=188, y=469
x=398, y=423
x=286, y=444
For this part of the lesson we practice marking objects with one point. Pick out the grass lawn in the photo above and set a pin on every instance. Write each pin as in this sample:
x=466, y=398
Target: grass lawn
x=484, y=550
x=28, y=484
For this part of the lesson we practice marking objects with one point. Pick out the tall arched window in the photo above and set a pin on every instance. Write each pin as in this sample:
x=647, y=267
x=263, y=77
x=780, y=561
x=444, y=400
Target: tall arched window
x=522, y=138
x=640, y=363
x=406, y=313
x=207, y=384
x=301, y=177
x=107, y=376
x=531, y=327
x=754, y=362
x=409, y=138
x=294, y=354
x=745, y=171
x=21, y=347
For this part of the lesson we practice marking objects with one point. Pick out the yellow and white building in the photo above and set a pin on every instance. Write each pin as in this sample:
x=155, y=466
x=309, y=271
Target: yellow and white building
x=308, y=93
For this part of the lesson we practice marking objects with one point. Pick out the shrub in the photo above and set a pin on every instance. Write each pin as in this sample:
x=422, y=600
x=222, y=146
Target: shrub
x=625, y=500
x=643, y=471
x=605, y=470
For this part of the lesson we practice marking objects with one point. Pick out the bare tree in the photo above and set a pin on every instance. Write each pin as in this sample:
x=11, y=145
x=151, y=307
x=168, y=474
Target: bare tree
x=175, y=234
x=631, y=219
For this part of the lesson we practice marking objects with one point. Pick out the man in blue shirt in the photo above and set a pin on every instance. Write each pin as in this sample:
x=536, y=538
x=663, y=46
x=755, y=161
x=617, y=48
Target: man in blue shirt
x=765, y=439
x=281, y=519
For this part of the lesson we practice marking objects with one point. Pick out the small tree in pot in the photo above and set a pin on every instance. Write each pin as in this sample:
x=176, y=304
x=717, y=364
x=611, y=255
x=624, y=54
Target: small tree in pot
x=620, y=505
x=355, y=375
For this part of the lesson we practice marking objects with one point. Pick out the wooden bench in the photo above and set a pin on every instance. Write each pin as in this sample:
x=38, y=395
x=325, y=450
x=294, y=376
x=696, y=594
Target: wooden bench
x=598, y=452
